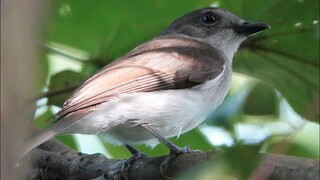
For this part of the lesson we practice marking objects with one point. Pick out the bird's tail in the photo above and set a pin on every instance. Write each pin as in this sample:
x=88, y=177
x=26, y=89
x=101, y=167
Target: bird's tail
x=39, y=139
x=49, y=133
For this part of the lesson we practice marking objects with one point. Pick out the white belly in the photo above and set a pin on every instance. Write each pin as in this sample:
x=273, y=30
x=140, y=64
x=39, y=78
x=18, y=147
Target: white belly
x=169, y=112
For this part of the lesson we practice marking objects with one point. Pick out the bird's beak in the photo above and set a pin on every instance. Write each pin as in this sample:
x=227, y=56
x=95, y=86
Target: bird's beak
x=249, y=28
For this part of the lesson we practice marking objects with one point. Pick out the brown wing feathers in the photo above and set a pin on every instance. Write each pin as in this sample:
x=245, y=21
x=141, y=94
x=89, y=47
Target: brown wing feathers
x=161, y=64
x=157, y=66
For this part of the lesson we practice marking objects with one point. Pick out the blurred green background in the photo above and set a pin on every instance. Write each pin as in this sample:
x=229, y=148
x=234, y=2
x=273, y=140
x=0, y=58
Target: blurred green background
x=273, y=102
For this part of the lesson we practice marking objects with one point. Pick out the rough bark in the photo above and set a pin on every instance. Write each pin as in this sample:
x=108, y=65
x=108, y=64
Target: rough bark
x=53, y=160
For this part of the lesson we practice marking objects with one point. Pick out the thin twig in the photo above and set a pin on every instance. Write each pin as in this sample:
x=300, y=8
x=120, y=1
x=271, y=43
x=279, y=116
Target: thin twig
x=56, y=92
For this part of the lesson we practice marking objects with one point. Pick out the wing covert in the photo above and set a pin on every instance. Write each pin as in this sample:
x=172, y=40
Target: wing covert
x=160, y=64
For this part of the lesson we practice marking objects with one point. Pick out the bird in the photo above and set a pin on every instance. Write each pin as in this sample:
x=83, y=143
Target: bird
x=162, y=88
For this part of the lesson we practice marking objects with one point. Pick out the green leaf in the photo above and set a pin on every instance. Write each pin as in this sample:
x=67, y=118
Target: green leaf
x=159, y=150
x=287, y=55
x=194, y=139
x=68, y=140
x=291, y=148
x=242, y=159
x=117, y=152
x=63, y=81
x=235, y=163
x=225, y=115
x=40, y=121
x=262, y=100
x=115, y=26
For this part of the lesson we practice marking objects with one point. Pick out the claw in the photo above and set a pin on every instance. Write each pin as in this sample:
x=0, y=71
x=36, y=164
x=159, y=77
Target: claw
x=126, y=165
x=165, y=165
x=173, y=154
x=174, y=151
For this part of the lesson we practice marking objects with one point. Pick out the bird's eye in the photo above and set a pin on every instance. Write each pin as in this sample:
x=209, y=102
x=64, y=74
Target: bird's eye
x=208, y=19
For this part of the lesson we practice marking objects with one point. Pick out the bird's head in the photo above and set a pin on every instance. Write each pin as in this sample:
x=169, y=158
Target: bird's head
x=216, y=27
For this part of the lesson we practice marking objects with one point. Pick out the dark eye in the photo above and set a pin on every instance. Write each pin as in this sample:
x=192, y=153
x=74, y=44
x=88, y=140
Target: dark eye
x=208, y=19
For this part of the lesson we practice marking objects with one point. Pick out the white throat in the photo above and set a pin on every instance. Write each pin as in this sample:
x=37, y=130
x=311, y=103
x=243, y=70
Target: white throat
x=228, y=48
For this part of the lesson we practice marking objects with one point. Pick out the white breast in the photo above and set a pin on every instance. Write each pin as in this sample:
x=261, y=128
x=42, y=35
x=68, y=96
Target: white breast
x=169, y=112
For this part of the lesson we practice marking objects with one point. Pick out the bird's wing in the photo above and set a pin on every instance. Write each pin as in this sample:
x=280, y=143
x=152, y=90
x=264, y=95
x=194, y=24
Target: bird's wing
x=160, y=64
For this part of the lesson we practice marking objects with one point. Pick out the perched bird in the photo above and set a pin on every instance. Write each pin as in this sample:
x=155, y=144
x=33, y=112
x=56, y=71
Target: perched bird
x=162, y=88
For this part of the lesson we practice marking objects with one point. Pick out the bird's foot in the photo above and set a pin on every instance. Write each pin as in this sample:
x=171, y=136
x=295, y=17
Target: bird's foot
x=126, y=165
x=174, y=152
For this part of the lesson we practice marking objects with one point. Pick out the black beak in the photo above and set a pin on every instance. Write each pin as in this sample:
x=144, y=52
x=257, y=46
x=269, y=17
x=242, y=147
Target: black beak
x=249, y=28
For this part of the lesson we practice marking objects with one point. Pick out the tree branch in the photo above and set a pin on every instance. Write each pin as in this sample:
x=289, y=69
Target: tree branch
x=53, y=160
x=275, y=166
x=56, y=92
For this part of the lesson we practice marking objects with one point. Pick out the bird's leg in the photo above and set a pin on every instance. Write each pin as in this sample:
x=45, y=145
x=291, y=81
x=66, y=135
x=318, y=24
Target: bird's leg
x=133, y=150
x=128, y=163
x=174, y=151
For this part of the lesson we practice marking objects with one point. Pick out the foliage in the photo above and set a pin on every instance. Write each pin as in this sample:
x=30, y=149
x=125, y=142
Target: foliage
x=283, y=61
